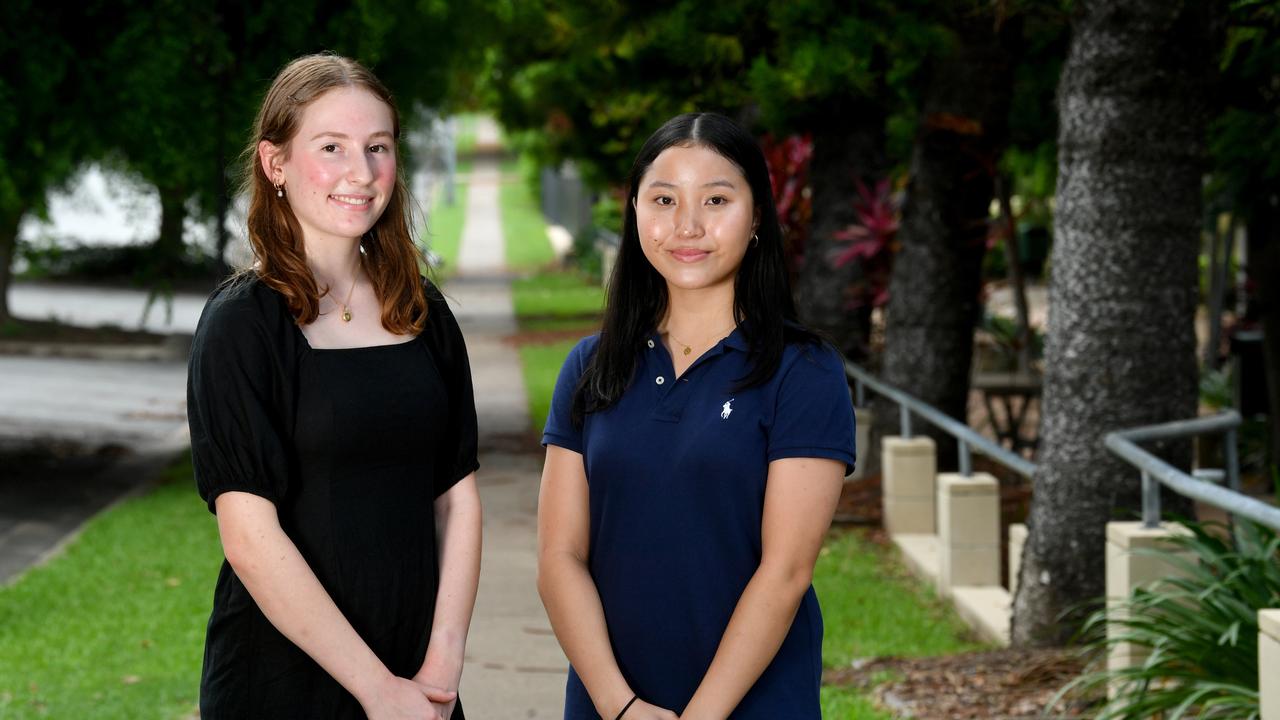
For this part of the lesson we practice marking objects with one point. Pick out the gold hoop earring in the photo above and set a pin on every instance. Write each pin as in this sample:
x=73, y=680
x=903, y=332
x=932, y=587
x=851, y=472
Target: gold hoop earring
x=755, y=239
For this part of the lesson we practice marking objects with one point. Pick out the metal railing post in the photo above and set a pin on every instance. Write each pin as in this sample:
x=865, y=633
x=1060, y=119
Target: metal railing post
x=1150, y=501
x=1233, y=460
x=904, y=419
x=966, y=459
x=859, y=394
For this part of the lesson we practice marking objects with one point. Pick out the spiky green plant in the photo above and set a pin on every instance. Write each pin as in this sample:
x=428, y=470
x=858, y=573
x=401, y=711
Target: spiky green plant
x=1199, y=630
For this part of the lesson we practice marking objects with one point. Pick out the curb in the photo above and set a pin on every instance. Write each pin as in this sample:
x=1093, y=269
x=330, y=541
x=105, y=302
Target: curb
x=173, y=348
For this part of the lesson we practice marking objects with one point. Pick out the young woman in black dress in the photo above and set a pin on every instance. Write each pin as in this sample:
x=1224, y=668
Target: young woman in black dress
x=333, y=429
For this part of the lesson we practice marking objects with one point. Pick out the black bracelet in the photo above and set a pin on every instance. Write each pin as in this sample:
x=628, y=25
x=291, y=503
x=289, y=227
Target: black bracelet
x=627, y=707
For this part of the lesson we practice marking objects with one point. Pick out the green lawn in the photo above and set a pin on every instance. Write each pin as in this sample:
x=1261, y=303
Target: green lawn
x=523, y=227
x=114, y=627
x=444, y=228
x=557, y=295
x=871, y=606
x=541, y=368
x=563, y=303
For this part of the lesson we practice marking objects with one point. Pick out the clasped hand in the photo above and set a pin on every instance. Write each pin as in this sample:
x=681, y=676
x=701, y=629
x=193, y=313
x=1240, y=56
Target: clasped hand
x=403, y=699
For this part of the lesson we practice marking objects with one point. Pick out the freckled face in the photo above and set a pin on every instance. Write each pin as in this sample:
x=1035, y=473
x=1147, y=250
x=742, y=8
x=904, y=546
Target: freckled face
x=695, y=215
x=339, y=170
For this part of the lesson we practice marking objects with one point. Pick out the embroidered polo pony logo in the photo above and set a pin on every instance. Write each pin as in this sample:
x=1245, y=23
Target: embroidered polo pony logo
x=726, y=410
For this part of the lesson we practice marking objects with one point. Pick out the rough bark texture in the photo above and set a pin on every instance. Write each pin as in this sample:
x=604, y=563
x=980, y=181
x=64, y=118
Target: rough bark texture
x=937, y=273
x=9, y=223
x=848, y=145
x=1120, y=349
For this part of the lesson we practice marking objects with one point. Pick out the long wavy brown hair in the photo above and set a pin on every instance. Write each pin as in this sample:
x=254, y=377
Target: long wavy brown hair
x=391, y=259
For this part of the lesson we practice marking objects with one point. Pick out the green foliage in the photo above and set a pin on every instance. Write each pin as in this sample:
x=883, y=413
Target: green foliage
x=114, y=627
x=595, y=79
x=1199, y=630
x=1244, y=139
x=1004, y=331
x=45, y=130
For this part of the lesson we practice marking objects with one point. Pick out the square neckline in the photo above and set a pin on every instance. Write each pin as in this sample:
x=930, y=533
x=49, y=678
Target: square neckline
x=306, y=343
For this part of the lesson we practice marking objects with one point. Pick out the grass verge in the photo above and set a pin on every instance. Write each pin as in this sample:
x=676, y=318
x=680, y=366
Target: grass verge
x=444, y=228
x=541, y=363
x=114, y=627
x=873, y=607
x=557, y=295
x=523, y=227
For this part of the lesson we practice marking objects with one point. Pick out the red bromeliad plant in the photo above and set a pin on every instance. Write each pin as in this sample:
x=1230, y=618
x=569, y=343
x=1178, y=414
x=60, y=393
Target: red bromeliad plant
x=871, y=243
x=788, y=161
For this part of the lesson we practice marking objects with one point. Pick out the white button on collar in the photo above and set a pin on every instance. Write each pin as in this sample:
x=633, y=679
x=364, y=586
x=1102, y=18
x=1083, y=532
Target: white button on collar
x=660, y=380
x=650, y=344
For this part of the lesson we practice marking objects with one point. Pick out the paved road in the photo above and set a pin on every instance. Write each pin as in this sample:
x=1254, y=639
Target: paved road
x=91, y=305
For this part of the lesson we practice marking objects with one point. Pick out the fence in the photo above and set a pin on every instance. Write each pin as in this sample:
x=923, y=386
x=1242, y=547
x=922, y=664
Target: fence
x=947, y=525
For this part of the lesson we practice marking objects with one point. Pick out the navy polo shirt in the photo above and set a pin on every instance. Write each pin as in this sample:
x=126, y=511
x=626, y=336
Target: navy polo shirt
x=676, y=471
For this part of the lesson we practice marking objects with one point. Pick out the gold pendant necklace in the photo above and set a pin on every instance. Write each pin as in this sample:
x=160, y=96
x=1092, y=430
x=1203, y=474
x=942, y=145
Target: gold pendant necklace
x=687, y=348
x=346, y=306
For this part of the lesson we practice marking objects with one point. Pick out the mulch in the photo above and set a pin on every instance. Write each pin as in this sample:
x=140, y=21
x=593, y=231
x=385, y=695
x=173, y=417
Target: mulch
x=997, y=684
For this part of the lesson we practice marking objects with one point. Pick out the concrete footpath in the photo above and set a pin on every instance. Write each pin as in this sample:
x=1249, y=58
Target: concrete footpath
x=515, y=669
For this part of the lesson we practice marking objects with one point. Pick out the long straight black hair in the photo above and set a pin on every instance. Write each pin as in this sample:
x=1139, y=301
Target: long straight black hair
x=637, y=300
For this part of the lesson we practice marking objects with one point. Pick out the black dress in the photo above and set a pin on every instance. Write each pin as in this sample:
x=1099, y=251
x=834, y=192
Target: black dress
x=352, y=446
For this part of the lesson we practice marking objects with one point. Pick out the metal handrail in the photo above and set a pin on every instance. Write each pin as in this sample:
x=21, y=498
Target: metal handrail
x=1124, y=443
x=966, y=437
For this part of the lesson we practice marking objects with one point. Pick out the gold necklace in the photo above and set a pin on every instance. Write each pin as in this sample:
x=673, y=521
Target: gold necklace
x=687, y=348
x=346, y=306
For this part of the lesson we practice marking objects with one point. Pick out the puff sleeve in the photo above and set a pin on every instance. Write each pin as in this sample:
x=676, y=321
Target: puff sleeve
x=458, y=451
x=235, y=389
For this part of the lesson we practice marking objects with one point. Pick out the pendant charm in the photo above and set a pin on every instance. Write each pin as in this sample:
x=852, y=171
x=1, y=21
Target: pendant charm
x=688, y=350
x=346, y=314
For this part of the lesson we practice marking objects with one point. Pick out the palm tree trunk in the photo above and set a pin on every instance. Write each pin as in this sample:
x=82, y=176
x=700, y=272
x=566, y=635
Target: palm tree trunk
x=1120, y=349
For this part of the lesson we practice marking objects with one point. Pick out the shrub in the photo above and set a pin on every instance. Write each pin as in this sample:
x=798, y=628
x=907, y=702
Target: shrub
x=1200, y=630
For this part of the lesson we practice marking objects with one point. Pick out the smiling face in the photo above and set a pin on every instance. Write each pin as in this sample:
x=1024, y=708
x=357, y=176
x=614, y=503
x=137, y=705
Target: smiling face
x=339, y=169
x=695, y=216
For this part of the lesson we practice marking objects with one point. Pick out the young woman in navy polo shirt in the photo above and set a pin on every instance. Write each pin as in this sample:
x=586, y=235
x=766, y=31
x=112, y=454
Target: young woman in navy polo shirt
x=695, y=450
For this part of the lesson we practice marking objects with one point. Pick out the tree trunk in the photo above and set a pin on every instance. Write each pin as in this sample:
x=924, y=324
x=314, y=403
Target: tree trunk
x=937, y=273
x=848, y=145
x=169, y=243
x=9, y=224
x=1120, y=350
x=1264, y=268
